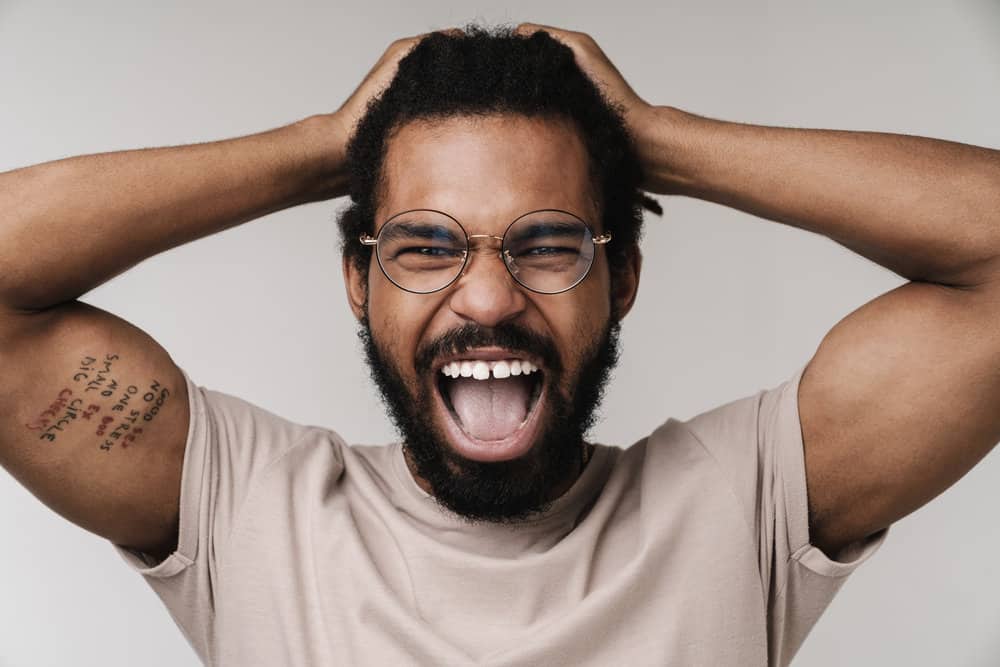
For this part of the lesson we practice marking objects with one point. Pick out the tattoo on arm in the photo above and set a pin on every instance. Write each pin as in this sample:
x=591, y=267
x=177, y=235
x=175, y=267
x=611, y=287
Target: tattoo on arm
x=94, y=388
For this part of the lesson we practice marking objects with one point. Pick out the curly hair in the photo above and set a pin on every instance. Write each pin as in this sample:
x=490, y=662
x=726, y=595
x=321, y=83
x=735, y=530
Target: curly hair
x=482, y=72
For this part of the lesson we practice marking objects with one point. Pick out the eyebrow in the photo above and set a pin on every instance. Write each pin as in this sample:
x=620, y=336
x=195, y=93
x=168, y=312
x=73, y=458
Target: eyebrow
x=554, y=228
x=423, y=230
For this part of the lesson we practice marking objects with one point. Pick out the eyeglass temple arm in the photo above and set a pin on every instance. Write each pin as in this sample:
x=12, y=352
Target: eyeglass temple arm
x=603, y=239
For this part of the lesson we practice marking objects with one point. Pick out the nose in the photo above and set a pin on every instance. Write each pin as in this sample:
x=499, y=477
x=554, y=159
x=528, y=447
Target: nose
x=486, y=293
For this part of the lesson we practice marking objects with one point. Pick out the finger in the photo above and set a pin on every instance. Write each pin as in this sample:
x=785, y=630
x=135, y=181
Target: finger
x=580, y=43
x=401, y=47
x=376, y=79
x=591, y=59
x=382, y=73
x=528, y=29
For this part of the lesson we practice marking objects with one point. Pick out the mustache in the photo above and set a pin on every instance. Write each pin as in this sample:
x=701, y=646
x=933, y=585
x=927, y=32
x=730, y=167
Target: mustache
x=508, y=336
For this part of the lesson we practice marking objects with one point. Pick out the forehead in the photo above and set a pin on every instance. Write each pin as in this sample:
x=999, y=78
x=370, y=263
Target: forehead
x=487, y=170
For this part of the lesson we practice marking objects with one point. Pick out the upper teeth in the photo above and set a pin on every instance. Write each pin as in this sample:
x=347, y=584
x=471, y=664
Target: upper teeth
x=481, y=370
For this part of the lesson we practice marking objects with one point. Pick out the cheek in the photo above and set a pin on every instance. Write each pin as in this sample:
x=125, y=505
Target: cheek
x=591, y=305
x=385, y=317
x=398, y=319
x=577, y=324
x=598, y=285
x=593, y=311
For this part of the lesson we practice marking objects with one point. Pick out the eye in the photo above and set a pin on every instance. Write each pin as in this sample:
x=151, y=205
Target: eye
x=429, y=251
x=548, y=251
x=539, y=252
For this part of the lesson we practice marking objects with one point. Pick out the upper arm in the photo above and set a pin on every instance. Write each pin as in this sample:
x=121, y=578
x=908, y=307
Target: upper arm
x=899, y=401
x=93, y=421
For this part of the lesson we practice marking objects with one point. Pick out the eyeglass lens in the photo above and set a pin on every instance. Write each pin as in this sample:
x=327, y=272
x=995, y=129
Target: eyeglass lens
x=545, y=251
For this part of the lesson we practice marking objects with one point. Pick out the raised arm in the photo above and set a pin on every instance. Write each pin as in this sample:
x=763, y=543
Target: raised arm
x=900, y=399
x=93, y=412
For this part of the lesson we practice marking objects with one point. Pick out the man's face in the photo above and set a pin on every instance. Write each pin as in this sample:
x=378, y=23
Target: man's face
x=498, y=448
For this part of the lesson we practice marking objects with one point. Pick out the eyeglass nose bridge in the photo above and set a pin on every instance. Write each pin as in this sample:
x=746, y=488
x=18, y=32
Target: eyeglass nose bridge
x=485, y=236
x=503, y=254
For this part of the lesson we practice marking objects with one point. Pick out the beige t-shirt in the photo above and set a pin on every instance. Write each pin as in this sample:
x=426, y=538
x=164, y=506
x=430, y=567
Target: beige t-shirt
x=688, y=548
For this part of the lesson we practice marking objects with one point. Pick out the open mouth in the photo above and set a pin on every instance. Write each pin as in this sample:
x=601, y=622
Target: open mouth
x=490, y=403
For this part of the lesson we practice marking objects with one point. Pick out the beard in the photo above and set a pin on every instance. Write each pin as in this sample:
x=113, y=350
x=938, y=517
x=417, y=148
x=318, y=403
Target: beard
x=496, y=491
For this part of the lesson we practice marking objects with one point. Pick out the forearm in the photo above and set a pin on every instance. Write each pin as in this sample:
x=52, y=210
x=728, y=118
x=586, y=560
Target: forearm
x=68, y=226
x=926, y=209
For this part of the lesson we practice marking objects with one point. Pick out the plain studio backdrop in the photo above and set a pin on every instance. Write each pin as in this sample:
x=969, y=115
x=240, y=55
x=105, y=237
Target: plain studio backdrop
x=728, y=304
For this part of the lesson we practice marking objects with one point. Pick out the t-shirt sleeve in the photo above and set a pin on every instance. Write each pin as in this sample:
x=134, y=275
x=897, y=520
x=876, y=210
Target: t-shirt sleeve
x=757, y=441
x=230, y=442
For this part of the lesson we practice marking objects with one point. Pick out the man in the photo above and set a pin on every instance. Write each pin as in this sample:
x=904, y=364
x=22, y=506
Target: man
x=490, y=252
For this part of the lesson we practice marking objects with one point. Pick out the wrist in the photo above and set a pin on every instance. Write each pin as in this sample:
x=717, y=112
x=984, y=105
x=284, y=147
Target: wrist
x=324, y=143
x=667, y=142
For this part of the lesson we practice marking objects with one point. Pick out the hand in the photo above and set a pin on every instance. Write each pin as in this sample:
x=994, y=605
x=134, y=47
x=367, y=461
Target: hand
x=352, y=110
x=596, y=65
x=640, y=116
x=345, y=119
x=338, y=127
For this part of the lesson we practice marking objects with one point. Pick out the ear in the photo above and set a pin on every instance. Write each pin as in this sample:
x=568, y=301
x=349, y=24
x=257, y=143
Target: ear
x=356, y=284
x=627, y=284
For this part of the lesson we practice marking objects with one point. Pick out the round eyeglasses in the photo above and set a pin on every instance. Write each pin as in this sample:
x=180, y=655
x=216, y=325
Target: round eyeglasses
x=547, y=251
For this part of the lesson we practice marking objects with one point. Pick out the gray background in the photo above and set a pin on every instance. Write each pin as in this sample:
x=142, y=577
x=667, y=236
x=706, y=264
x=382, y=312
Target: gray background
x=728, y=304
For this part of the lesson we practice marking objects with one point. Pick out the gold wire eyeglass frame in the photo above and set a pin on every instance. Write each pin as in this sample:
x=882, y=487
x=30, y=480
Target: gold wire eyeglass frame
x=503, y=254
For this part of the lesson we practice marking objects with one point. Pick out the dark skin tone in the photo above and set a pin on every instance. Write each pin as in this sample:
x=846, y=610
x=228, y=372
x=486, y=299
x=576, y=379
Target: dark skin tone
x=899, y=400
x=524, y=165
x=896, y=405
x=94, y=400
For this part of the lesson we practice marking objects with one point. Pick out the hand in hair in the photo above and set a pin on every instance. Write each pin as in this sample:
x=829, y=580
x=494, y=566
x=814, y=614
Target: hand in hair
x=637, y=112
x=354, y=108
x=598, y=67
x=374, y=82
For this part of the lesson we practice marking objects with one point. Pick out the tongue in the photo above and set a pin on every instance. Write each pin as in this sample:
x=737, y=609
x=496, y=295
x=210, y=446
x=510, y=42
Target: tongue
x=490, y=409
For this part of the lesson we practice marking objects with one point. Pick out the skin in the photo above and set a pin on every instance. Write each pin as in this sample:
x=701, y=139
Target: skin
x=486, y=172
x=897, y=404
x=899, y=401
